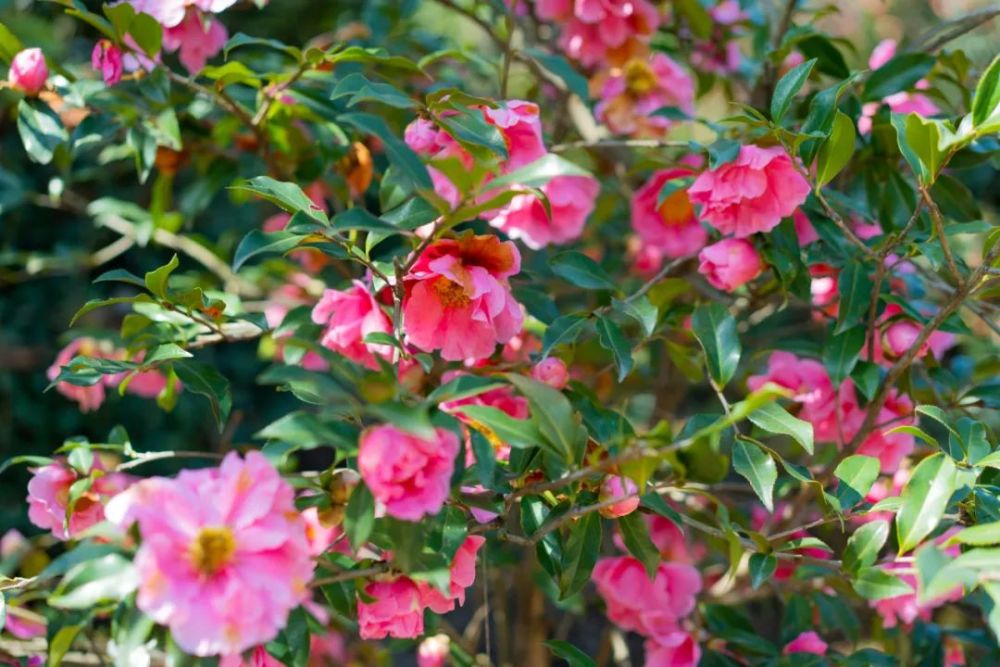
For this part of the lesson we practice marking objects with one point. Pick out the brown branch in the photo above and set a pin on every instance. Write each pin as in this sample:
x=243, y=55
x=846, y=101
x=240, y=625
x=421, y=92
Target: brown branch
x=938, y=222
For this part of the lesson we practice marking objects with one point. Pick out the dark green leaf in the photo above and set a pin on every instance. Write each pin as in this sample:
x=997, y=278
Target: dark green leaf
x=865, y=544
x=855, y=476
x=925, y=498
x=612, y=338
x=855, y=288
x=41, y=130
x=288, y=197
x=758, y=468
x=359, y=516
x=715, y=329
x=761, y=567
x=900, y=73
x=257, y=242
x=841, y=353
x=573, y=656
x=580, y=554
x=873, y=584
x=204, y=380
x=635, y=534
x=787, y=87
x=775, y=419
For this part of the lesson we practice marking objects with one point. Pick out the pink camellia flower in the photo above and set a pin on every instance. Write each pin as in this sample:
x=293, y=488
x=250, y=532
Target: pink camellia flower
x=904, y=102
x=720, y=54
x=618, y=486
x=571, y=200
x=729, y=263
x=750, y=194
x=632, y=93
x=196, y=39
x=954, y=654
x=259, y=657
x=804, y=230
x=458, y=300
x=319, y=537
x=396, y=610
x=106, y=58
x=596, y=32
x=328, y=650
x=501, y=398
x=889, y=448
x=670, y=226
x=434, y=651
x=899, y=333
x=552, y=371
x=348, y=317
x=677, y=649
x=907, y=608
x=520, y=125
x=13, y=544
x=170, y=13
x=463, y=575
x=807, y=642
x=823, y=290
x=21, y=626
x=409, y=475
x=900, y=336
x=229, y=560
x=651, y=608
x=811, y=387
x=49, y=491
x=28, y=72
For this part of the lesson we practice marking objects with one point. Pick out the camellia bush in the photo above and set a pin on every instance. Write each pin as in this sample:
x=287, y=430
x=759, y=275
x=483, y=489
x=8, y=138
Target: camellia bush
x=476, y=332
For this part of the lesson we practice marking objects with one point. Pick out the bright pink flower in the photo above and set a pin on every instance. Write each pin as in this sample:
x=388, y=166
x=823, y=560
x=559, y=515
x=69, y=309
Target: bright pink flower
x=750, y=194
x=328, y=650
x=651, y=608
x=899, y=333
x=259, y=657
x=89, y=397
x=729, y=263
x=671, y=225
x=228, y=561
x=632, y=93
x=463, y=575
x=48, y=497
x=669, y=539
x=804, y=230
x=552, y=371
x=196, y=39
x=409, y=475
x=23, y=627
x=906, y=608
x=883, y=52
x=28, y=71
x=811, y=388
x=890, y=449
x=954, y=654
x=458, y=300
x=571, y=200
x=598, y=31
x=501, y=398
x=807, y=642
x=434, y=651
x=677, y=649
x=520, y=125
x=617, y=486
x=170, y=13
x=823, y=289
x=900, y=336
x=395, y=611
x=106, y=58
x=348, y=317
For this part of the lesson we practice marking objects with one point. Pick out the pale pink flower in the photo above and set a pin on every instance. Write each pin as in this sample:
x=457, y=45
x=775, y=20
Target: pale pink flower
x=677, y=649
x=463, y=575
x=729, y=264
x=409, y=475
x=571, y=200
x=319, y=536
x=434, y=651
x=259, y=657
x=618, y=486
x=598, y=31
x=196, y=39
x=750, y=194
x=883, y=52
x=396, y=610
x=458, y=300
x=49, y=497
x=807, y=642
x=106, y=58
x=28, y=71
x=170, y=13
x=651, y=608
x=670, y=226
x=632, y=93
x=229, y=560
x=552, y=371
x=350, y=316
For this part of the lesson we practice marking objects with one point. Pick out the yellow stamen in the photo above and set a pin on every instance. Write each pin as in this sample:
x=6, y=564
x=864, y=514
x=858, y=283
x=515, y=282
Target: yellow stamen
x=640, y=78
x=212, y=550
x=452, y=294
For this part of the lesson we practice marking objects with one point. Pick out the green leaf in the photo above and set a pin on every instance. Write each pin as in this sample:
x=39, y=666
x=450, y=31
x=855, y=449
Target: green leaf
x=837, y=150
x=148, y=34
x=900, y=73
x=121, y=276
x=539, y=172
x=41, y=130
x=841, y=353
x=855, y=288
x=10, y=45
x=257, y=242
x=925, y=498
x=722, y=151
x=359, y=516
x=611, y=338
x=463, y=386
x=25, y=459
x=573, y=656
x=360, y=89
x=698, y=18
x=400, y=155
x=519, y=433
x=986, y=101
x=978, y=536
x=865, y=544
x=233, y=72
x=855, y=476
x=641, y=310
x=288, y=197
x=761, y=568
x=563, y=69
x=60, y=643
x=109, y=577
x=156, y=280
x=240, y=40
x=787, y=87
x=557, y=421
x=302, y=429
x=581, y=271
x=635, y=534
x=564, y=329
x=758, y=468
x=775, y=419
x=872, y=583
x=580, y=554
x=715, y=329
x=204, y=380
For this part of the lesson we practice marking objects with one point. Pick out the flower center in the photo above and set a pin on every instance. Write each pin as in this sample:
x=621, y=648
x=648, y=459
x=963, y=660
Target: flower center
x=212, y=550
x=639, y=77
x=676, y=209
x=451, y=294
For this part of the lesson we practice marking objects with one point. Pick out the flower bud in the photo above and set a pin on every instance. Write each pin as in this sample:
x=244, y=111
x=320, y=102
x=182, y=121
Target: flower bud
x=28, y=71
x=618, y=486
x=433, y=651
x=106, y=58
x=552, y=371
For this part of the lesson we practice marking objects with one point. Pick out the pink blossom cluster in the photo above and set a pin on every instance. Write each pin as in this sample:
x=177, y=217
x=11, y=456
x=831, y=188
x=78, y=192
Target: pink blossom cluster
x=903, y=102
x=50, y=503
x=394, y=607
x=596, y=32
x=571, y=198
x=631, y=94
x=147, y=384
x=835, y=413
x=720, y=54
x=224, y=556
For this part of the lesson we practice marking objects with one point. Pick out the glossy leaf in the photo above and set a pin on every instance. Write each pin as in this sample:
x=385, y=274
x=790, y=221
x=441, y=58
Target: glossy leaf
x=715, y=329
x=925, y=498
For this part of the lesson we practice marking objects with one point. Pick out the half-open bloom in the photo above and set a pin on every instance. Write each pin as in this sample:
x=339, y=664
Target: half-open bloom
x=396, y=610
x=571, y=200
x=729, y=263
x=348, y=317
x=463, y=575
x=49, y=497
x=669, y=225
